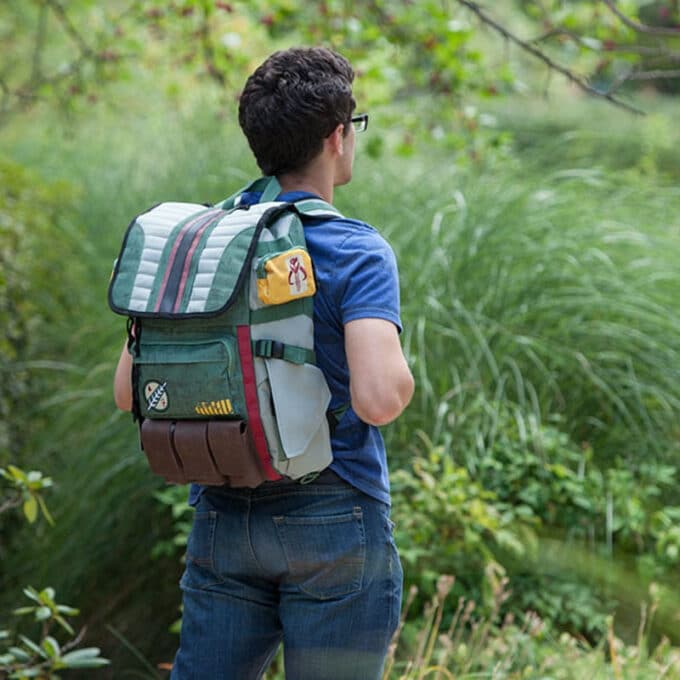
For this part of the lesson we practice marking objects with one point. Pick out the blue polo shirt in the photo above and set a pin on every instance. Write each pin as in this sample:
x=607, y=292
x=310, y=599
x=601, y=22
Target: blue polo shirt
x=356, y=278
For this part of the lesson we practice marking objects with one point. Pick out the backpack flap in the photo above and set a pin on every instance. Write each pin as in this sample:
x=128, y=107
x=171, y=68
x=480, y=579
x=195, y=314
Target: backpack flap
x=183, y=260
x=301, y=398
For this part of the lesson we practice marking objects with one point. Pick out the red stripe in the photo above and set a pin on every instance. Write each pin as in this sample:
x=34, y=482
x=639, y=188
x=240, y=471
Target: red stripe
x=187, y=265
x=252, y=404
x=173, y=255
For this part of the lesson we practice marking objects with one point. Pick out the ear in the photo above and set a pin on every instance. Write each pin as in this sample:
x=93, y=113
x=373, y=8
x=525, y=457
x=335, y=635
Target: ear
x=336, y=140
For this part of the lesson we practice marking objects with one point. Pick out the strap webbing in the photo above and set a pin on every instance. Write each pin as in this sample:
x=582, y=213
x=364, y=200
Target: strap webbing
x=315, y=207
x=273, y=349
x=252, y=403
x=270, y=188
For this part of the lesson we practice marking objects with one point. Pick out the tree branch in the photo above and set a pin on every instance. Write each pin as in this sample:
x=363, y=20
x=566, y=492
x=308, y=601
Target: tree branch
x=663, y=53
x=10, y=503
x=70, y=29
x=654, y=75
x=638, y=27
x=660, y=52
x=36, y=68
x=542, y=56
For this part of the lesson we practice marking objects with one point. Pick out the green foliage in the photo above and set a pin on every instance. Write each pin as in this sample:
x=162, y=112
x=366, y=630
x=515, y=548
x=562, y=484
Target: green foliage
x=31, y=211
x=557, y=293
x=447, y=522
x=68, y=54
x=532, y=484
x=26, y=489
x=540, y=276
x=465, y=646
x=612, y=50
x=24, y=657
x=175, y=498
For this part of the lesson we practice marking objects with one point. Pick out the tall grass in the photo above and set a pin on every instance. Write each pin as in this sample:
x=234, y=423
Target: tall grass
x=555, y=291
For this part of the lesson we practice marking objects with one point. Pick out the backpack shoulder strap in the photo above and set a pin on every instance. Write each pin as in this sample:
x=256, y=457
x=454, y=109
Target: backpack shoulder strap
x=315, y=207
x=270, y=189
x=269, y=186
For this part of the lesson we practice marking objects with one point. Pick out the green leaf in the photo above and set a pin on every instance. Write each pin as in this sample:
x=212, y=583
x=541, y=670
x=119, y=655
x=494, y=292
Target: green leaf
x=84, y=653
x=47, y=595
x=32, y=594
x=45, y=511
x=19, y=654
x=33, y=476
x=88, y=657
x=69, y=611
x=64, y=624
x=33, y=646
x=17, y=474
x=51, y=647
x=23, y=673
x=31, y=509
x=43, y=613
x=22, y=611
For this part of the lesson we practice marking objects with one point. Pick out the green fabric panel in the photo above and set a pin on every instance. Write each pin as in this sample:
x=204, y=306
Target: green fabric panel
x=127, y=267
x=296, y=234
x=199, y=364
x=228, y=271
x=278, y=312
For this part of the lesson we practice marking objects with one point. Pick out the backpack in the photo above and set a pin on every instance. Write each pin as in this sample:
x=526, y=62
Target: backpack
x=219, y=303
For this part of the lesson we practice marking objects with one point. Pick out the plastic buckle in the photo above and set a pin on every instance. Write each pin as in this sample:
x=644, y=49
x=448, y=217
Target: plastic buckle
x=277, y=349
x=263, y=348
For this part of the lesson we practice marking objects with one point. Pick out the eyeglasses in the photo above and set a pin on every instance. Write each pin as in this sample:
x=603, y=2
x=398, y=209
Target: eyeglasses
x=359, y=122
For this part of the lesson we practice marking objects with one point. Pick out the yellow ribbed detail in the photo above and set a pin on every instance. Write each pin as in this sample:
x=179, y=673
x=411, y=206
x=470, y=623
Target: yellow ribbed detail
x=223, y=407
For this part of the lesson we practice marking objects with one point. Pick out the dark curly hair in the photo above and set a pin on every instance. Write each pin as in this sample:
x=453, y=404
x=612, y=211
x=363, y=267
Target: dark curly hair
x=291, y=103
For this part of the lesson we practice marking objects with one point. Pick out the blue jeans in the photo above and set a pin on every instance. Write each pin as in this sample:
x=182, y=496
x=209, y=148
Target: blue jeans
x=313, y=566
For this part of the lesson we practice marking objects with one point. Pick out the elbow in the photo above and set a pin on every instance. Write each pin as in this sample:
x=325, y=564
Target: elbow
x=381, y=408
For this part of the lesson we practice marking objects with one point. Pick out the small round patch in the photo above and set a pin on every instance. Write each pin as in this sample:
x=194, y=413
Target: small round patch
x=156, y=395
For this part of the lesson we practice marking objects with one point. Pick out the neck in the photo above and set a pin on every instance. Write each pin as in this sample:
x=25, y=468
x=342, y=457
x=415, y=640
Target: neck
x=315, y=182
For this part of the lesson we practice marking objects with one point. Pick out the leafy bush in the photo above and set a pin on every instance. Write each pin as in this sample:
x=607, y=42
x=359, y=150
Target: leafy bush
x=32, y=215
x=464, y=645
x=533, y=487
x=24, y=657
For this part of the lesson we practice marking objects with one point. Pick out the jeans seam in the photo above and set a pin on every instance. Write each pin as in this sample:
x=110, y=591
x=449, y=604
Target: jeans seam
x=250, y=542
x=304, y=492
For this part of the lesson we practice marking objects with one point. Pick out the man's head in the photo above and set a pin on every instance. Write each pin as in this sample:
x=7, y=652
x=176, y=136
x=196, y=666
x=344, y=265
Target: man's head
x=291, y=103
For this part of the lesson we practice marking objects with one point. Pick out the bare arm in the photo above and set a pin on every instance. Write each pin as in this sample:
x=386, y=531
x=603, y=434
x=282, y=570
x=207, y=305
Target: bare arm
x=380, y=381
x=122, y=381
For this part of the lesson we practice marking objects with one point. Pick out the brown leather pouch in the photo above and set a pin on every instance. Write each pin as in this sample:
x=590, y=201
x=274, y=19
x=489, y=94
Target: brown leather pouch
x=210, y=452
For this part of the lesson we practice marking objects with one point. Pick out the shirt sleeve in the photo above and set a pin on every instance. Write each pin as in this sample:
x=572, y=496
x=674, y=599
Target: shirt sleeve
x=370, y=277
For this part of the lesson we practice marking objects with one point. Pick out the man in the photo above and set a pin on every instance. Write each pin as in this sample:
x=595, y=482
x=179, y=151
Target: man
x=311, y=565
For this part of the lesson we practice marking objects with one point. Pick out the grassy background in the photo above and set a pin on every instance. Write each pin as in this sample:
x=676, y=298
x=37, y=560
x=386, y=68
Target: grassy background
x=538, y=277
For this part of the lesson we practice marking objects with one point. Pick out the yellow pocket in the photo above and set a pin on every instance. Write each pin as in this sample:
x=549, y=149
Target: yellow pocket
x=285, y=276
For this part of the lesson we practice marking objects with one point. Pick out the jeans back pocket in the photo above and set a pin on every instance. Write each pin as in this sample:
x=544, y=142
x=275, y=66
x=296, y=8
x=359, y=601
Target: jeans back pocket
x=325, y=555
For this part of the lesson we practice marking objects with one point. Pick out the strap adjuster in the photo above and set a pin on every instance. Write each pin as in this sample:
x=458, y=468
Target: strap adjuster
x=275, y=349
x=270, y=349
